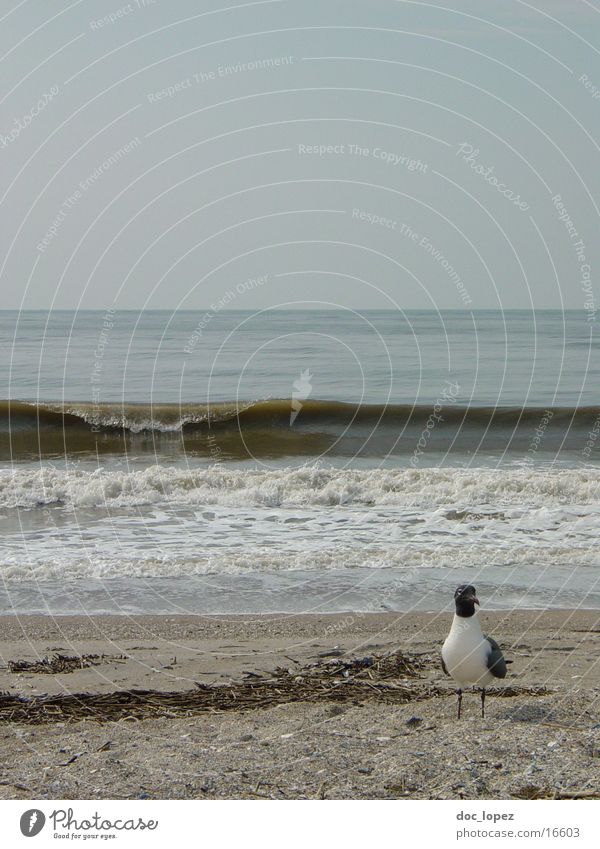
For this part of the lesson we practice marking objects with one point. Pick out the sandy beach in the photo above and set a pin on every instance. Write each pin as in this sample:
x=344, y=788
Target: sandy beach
x=359, y=735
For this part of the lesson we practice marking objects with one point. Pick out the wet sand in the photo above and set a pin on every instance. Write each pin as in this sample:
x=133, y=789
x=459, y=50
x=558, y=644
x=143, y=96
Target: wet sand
x=528, y=744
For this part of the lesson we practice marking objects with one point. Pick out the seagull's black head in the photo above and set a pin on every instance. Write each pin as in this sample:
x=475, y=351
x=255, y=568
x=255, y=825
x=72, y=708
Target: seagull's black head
x=465, y=599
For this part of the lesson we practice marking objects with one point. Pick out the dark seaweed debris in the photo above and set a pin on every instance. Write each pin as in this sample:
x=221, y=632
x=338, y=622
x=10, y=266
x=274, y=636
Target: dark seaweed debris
x=59, y=664
x=392, y=678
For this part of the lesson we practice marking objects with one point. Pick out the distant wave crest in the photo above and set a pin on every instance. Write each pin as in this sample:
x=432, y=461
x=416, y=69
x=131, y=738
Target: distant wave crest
x=288, y=428
x=169, y=418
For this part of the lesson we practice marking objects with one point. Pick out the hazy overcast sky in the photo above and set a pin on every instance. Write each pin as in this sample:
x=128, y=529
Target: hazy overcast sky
x=366, y=154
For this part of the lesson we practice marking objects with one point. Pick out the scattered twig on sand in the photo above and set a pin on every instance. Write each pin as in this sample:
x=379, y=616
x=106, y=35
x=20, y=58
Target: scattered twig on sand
x=20, y=787
x=532, y=791
x=582, y=794
x=72, y=759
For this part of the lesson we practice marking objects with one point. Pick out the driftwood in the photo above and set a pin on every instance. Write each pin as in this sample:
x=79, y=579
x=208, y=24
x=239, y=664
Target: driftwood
x=391, y=678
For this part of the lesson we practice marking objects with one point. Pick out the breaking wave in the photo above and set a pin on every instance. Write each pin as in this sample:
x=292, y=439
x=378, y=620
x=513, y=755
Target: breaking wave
x=169, y=418
x=279, y=428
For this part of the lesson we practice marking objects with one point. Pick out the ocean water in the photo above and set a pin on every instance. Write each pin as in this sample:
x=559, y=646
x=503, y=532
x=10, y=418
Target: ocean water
x=296, y=461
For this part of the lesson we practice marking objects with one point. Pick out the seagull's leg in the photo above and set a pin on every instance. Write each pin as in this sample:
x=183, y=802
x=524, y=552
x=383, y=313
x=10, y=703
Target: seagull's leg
x=483, y=702
x=459, y=694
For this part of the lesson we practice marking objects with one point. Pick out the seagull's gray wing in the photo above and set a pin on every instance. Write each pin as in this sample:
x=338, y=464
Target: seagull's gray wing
x=496, y=662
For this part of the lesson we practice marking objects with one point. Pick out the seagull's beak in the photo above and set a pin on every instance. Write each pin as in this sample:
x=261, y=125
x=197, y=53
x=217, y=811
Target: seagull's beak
x=475, y=599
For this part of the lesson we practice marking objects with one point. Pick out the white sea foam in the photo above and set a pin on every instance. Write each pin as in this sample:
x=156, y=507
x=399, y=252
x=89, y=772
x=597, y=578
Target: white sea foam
x=242, y=522
x=407, y=560
x=310, y=486
x=162, y=522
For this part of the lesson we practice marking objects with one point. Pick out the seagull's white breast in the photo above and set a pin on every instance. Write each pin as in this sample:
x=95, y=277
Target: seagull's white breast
x=465, y=653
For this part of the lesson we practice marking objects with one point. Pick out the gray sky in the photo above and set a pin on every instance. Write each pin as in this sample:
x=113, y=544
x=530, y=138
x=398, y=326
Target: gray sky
x=363, y=154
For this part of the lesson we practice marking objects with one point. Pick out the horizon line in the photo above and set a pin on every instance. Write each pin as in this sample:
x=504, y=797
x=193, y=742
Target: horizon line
x=296, y=309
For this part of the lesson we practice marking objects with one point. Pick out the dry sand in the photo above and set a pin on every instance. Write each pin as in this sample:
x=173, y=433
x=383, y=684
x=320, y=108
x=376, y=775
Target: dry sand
x=527, y=746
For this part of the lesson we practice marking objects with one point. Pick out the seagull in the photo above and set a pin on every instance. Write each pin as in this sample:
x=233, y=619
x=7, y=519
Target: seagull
x=468, y=656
